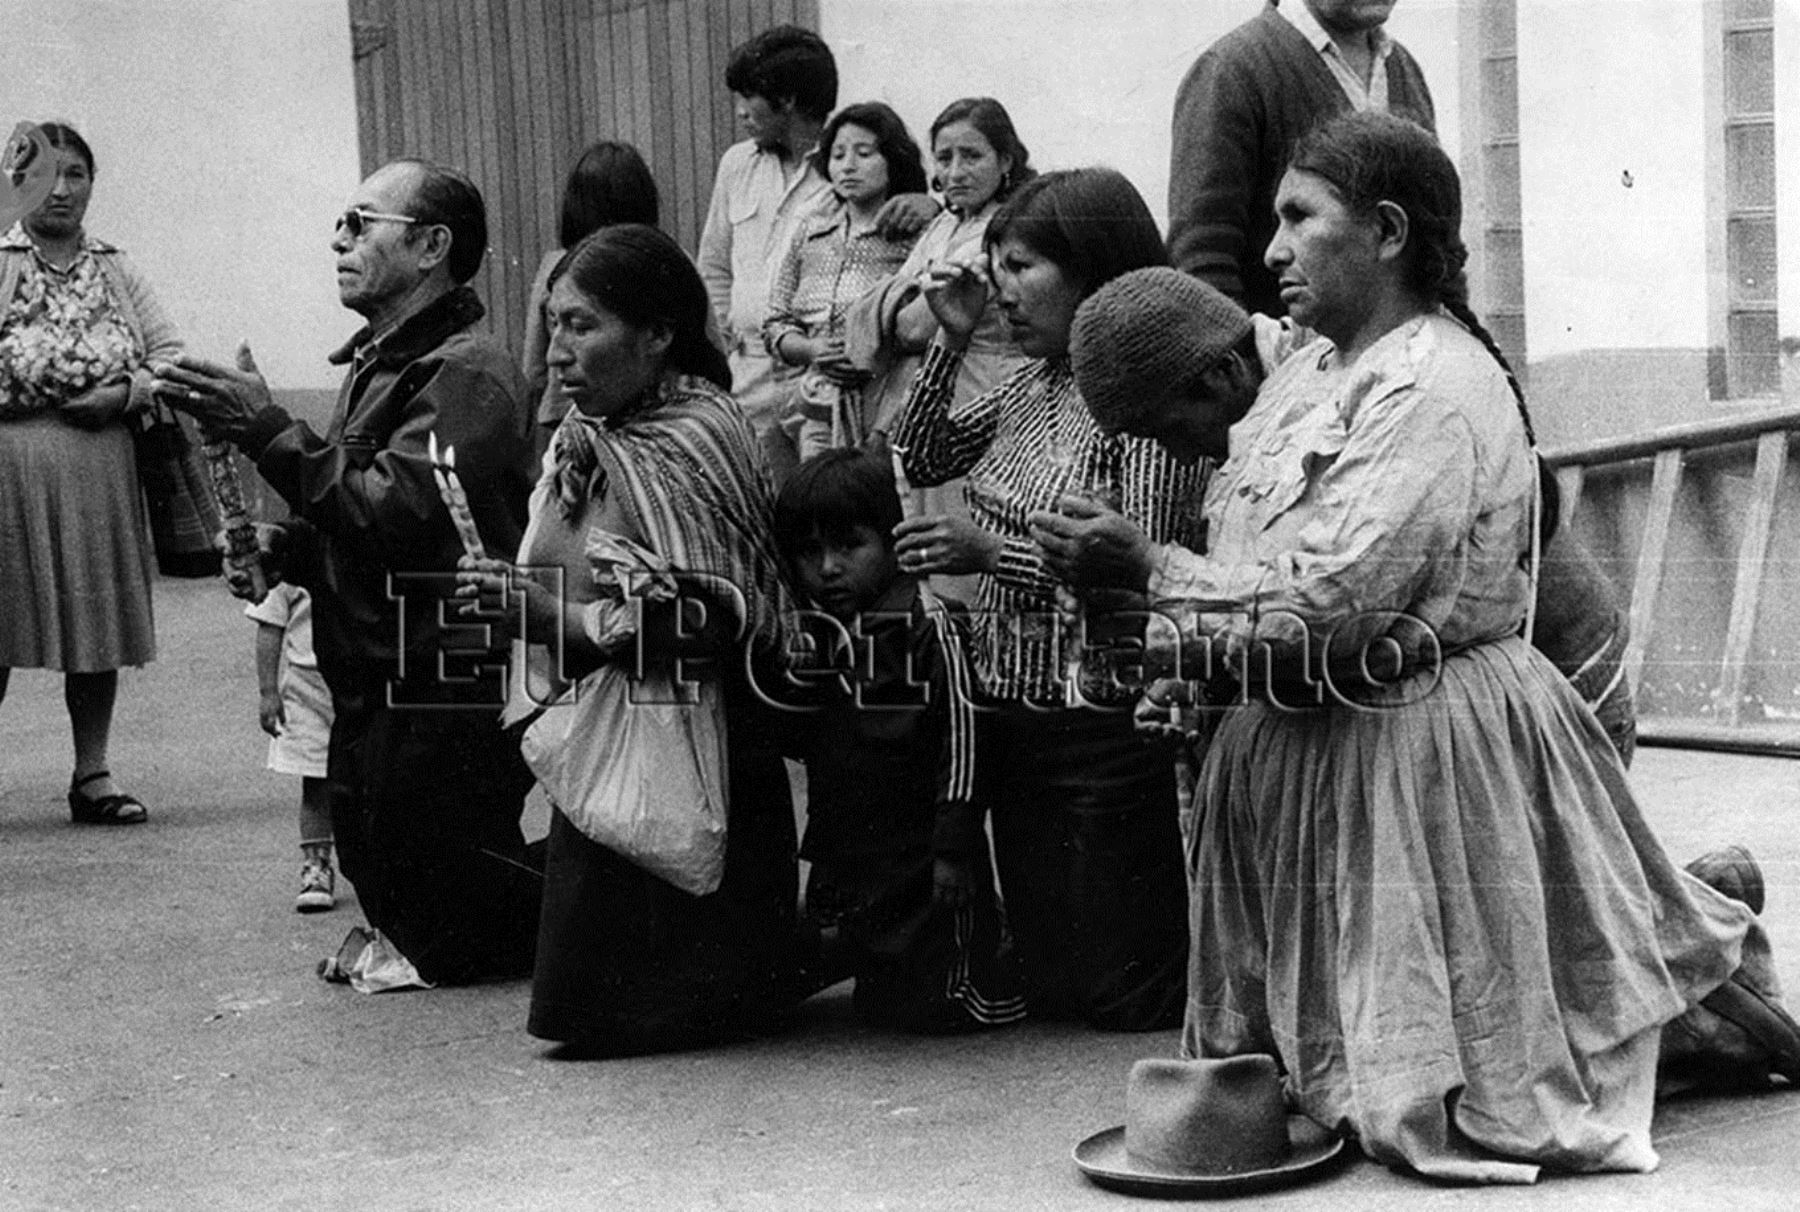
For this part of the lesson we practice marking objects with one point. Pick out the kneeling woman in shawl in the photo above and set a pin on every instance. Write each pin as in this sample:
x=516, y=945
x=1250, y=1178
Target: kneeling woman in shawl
x=654, y=465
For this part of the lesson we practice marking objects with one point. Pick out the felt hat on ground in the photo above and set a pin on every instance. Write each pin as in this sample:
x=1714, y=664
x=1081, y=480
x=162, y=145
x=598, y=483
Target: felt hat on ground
x=1206, y=1128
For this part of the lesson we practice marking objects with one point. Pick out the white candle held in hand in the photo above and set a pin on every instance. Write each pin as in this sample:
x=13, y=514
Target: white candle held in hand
x=455, y=500
x=910, y=504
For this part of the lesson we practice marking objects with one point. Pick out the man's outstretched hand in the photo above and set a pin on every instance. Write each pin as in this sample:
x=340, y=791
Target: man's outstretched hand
x=221, y=398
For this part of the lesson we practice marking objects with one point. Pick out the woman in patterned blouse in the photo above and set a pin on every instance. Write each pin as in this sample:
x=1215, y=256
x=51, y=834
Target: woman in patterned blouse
x=837, y=254
x=78, y=327
x=1084, y=816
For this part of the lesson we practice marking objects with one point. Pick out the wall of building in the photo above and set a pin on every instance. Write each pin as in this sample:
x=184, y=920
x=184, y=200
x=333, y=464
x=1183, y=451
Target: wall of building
x=1620, y=121
x=1086, y=81
x=226, y=139
x=1787, y=161
x=1613, y=168
x=514, y=90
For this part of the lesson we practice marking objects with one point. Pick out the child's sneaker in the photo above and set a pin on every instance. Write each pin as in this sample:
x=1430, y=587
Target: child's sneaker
x=317, y=884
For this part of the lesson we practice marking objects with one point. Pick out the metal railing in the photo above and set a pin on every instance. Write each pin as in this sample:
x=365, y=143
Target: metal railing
x=1669, y=448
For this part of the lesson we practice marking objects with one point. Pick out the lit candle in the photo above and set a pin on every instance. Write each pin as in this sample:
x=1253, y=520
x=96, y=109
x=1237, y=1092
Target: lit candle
x=910, y=503
x=455, y=500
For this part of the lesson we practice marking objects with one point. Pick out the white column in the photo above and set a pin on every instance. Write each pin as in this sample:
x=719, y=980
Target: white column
x=1787, y=190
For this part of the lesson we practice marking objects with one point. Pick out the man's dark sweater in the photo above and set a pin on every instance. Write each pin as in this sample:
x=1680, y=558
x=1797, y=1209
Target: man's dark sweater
x=1243, y=105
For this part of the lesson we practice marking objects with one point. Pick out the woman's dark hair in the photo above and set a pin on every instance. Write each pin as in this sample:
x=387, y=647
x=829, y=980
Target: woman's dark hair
x=786, y=63
x=1091, y=222
x=65, y=138
x=446, y=197
x=640, y=275
x=833, y=493
x=1372, y=157
x=906, y=175
x=609, y=184
x=996, y=126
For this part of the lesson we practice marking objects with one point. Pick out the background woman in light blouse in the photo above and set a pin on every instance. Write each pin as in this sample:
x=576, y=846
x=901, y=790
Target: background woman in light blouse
x=977, y=164
x=834, y=256
x=78, y=326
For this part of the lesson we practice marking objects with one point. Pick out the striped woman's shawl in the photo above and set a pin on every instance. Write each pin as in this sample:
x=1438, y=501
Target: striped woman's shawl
x=690, y=475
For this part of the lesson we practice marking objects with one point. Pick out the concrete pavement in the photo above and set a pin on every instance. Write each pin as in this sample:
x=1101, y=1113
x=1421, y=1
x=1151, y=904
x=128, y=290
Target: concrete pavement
x=165, y=1045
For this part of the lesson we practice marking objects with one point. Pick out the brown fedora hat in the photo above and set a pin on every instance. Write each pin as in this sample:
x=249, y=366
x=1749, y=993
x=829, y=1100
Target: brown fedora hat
x=1206, y=1128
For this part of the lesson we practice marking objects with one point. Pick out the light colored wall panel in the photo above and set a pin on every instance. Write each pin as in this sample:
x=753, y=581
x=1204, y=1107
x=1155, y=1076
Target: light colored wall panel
x=226, y=138
x=1613, y=172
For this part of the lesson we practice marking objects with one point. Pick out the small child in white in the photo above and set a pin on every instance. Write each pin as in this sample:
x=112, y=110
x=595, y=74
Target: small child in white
x=295, y=710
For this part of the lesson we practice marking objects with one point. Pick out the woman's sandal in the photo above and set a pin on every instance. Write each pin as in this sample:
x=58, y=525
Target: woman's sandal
x=108, y=809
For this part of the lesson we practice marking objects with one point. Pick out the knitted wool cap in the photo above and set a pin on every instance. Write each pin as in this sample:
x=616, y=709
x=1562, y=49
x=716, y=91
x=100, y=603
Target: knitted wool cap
x=1145, y=332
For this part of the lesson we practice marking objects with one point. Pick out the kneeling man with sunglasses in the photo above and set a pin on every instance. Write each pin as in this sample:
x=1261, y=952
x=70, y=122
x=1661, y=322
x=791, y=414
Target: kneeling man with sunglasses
x=427, y=790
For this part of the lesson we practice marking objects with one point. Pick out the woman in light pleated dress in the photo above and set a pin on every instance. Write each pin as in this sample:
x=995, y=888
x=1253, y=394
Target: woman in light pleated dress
x=1419, y=876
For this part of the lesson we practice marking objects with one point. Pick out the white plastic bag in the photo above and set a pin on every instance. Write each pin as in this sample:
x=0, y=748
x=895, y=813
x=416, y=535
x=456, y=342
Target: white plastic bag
x=369, y=963
x=645, y=778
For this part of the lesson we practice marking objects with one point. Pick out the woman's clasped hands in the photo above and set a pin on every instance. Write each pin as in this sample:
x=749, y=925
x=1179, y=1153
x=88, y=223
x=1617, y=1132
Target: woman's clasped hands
x=950, y=545
x=1088, y=544
x=827, y=356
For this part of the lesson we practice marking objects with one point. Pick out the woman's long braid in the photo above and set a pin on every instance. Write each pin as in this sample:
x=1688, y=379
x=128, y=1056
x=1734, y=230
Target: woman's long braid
x=1457, y=304
x=1438, y=269
x=1549, y=491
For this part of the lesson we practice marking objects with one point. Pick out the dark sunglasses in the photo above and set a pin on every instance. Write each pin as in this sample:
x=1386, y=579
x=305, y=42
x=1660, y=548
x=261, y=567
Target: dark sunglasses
x=356, y=219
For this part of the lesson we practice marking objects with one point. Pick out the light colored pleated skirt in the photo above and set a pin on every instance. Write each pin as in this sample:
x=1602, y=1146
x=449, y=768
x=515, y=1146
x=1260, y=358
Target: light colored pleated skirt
x=75, y=553
x=1450, y=921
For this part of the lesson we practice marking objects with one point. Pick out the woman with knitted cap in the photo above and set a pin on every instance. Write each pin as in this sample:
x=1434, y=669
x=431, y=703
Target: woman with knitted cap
x=1085, y=833
x=1419, y=876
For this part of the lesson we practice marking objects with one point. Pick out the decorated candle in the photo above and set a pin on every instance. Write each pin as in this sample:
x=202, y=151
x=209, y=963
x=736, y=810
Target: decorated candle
x=240, y=530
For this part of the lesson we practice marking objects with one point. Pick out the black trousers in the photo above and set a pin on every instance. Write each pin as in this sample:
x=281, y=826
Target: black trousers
x=425, y=808
x=1088, y=847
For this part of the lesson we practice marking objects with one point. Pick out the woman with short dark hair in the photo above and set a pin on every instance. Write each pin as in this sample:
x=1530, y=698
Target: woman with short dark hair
x=1084, y=821
x=834, y=256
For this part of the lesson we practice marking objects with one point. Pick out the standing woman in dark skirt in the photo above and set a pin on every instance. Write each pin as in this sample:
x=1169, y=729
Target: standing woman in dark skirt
x=656, y=453
x=78, y=326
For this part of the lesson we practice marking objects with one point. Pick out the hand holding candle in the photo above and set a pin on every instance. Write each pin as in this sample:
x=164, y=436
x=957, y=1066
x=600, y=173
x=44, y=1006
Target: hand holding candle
x=455, y=500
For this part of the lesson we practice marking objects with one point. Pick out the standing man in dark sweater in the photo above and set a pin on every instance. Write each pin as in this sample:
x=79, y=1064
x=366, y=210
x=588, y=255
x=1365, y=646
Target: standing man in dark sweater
x=1240, y=109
